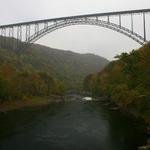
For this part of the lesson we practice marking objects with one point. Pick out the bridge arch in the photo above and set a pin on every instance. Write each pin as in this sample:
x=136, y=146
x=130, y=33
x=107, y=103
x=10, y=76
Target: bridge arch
x=30, y=32
x=101, y=23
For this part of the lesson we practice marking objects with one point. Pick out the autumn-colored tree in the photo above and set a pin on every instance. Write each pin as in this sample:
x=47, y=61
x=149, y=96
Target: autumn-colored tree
x=127, y=81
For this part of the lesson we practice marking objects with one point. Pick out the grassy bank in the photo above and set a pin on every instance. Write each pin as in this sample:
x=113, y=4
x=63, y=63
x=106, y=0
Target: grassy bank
x=30, y=102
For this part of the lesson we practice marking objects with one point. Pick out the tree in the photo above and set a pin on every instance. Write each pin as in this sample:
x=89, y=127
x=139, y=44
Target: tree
x=3, y=89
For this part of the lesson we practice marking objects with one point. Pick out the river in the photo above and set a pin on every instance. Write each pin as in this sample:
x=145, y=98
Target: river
x=70, y=125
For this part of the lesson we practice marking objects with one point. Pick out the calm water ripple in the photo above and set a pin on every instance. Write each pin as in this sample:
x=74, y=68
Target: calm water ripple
x=71, y=125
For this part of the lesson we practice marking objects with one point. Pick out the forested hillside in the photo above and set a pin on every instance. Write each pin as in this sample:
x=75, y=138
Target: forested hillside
x=41, y=70
x=126, y=81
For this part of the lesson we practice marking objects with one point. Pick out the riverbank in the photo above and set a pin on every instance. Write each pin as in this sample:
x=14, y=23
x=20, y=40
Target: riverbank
x=129, y=113
x=30, y=102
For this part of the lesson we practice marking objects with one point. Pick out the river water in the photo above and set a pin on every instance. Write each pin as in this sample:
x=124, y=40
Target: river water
x=70, y=125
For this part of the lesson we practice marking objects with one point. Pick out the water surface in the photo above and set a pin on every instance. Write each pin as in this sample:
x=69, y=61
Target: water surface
x=71, y=125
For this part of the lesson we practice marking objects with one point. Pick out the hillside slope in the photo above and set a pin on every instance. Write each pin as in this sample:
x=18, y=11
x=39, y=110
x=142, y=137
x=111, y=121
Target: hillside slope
x=67, y=66
x=126, y=81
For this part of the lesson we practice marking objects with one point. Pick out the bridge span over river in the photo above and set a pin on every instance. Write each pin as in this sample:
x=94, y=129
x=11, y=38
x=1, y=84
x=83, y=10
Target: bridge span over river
x=30, y=32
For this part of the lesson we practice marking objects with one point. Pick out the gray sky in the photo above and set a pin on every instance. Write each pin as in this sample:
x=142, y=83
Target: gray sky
x=83, y=39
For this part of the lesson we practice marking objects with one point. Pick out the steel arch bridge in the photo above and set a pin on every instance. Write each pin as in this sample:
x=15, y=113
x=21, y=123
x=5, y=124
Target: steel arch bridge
x=27, y=33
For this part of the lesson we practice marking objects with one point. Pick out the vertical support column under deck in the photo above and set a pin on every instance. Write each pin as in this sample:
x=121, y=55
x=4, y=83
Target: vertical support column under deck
x=108, y=20
x=55, y=23
x=144, y=27
x=132, y=23
x=96, y=18
x=45, y=25
x=0, y=38
x=11, y=32
x=3, y=37
x=19, y=33
x=27, y=33
x=119, y=20
x=36, y=28
x=11, y=36
x=19, y=37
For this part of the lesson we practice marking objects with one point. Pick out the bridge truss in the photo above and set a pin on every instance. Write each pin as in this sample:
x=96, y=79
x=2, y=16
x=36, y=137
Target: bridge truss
x=27, y=33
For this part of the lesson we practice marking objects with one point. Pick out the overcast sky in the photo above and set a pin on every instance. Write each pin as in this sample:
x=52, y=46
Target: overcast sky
x=83, y=39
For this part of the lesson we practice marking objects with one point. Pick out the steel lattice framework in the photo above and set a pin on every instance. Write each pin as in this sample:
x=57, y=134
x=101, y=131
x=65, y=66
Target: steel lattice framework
x=29, y=32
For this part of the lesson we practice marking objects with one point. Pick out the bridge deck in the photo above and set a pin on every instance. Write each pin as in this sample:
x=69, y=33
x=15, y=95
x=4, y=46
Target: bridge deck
x=80, y=16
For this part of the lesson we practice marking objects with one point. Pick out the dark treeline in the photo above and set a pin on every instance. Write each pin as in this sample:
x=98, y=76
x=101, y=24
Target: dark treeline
x=16, y=85
x=126, y=81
